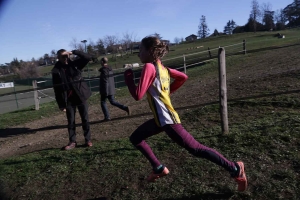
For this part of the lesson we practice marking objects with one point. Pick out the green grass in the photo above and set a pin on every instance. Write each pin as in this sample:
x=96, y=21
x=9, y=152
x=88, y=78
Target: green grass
x=28, y=114
x=45, y=69
x=46, y=110
x=269, y=145
x=264, y=133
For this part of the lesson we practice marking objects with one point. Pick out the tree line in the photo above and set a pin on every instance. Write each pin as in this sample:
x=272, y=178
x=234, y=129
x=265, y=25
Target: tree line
x=109, y=44
x=261, y=18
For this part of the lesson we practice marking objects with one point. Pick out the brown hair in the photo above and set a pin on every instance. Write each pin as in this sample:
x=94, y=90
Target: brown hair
x=104, y=60
x=157, y=48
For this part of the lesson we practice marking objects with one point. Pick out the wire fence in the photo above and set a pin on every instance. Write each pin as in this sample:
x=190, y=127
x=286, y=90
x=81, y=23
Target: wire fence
x=22, y=95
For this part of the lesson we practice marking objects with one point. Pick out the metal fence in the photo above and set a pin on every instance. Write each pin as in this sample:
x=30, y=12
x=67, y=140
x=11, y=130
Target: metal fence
x=22, y=95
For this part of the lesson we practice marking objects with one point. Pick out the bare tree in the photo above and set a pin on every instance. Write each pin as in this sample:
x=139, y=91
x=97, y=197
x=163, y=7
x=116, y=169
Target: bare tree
x=265, y=7
x=27, y=70
x=91, y=49
x=2, y=70
x=74, y=44
x=100, y=47
x=176, y=40
x=110, y=41
x=255, y=13
x=52, y=56
x=128, y=39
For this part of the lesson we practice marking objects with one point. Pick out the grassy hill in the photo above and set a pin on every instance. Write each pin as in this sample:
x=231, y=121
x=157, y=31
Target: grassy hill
x=253, y=41
x=193, y=54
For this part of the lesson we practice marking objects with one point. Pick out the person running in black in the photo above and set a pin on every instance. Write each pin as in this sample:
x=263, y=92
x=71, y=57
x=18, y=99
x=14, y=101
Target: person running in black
x=107, y=89
x=71, y=91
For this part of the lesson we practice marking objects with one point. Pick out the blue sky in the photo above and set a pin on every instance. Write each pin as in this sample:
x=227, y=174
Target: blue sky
x=31, y=28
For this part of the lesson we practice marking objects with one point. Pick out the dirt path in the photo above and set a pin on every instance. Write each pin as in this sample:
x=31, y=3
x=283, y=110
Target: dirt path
x=254, y=76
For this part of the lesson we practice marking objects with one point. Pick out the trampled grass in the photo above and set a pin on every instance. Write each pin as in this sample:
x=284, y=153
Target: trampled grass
x=268, y=144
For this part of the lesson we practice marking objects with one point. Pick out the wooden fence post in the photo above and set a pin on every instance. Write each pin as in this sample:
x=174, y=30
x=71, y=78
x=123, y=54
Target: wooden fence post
x=223, y=90
x=244, y=46
x=35, y=95
x=209, y=52
x=184, y=65
x=16, y=95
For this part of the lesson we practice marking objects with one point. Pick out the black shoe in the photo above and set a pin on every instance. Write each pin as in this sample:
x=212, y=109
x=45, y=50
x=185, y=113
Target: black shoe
x=106, y=119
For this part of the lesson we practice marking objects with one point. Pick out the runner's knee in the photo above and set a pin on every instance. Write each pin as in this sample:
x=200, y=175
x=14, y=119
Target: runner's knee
x=134, y=140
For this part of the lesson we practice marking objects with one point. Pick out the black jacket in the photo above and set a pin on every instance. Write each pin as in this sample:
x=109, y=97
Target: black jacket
x=107, y=82
x=67, y=78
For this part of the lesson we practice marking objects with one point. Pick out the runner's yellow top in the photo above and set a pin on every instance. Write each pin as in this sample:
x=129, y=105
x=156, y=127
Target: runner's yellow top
x=158, y=96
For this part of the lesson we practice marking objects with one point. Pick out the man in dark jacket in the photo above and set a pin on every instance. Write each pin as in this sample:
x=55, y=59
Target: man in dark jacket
x=107, y=89
x=71, y=91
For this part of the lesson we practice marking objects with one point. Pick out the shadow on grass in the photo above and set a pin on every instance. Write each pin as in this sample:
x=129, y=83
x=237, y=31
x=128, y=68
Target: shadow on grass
x=3, y=195
x=8, y=132
x=226, y=195
x=62, y=157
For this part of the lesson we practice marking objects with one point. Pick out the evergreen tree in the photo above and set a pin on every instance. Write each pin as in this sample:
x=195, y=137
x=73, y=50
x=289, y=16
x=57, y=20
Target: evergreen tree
x=216, y=32
x=249, y=27
x=269, y=20
x=292, y=13
x=268, y=16
x=230, y=26
x=227, y=28
x=203, y=30
x=280, y=20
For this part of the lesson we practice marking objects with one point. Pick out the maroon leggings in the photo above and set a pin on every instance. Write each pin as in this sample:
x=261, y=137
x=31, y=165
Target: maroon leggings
x=179, y=135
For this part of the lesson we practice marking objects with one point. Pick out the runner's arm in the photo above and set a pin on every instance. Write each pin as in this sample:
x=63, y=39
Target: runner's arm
x=147, y=78
x=179, y=79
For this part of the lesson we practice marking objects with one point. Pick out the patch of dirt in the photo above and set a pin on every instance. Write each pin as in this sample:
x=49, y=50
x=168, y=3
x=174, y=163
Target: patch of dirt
x=267, y=72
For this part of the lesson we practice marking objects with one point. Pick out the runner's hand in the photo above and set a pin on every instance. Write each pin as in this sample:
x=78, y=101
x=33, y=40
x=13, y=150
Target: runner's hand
x=128, y=75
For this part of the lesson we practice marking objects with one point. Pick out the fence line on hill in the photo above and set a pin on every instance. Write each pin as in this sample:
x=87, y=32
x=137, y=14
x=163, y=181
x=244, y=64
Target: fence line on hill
x=46, y=93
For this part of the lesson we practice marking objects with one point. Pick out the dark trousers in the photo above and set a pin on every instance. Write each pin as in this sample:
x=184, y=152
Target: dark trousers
x=83, y=111
x=112, y=102
x=179, y=135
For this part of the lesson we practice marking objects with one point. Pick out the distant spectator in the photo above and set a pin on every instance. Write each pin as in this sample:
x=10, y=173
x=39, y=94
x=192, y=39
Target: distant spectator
x=107, y=89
